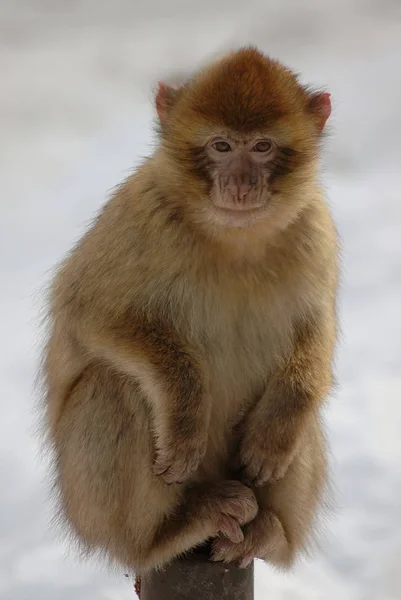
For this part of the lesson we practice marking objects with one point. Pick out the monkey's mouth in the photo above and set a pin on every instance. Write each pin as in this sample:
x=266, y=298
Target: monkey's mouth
x=240, y=208
x=239, y=215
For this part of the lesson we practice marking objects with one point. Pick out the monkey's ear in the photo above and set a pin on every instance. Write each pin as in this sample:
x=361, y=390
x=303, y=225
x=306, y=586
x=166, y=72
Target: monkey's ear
x=165, y=99
x=320, y=107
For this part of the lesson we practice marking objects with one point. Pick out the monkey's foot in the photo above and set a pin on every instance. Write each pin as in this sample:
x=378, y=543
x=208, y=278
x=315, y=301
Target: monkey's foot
x=263, y=538
x=230, y=504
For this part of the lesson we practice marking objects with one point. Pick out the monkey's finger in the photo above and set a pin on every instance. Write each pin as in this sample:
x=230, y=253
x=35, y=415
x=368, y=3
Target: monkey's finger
x=171, y=472
x=170, y=477
x=244, y=476
x=250, y=470
x=229, y=527
x=279, y=471
x=167, y=474
x=224, y=550
x=264, y=476
x=271, y=473
x=160, y=469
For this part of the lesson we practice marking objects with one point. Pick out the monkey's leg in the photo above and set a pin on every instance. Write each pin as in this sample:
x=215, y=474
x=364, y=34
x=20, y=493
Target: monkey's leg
x=109, y=494
x=172, y=380
x=287, y=510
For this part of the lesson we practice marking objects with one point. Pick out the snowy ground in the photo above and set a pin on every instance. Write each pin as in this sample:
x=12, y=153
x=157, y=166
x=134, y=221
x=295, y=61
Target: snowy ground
x=76, y=81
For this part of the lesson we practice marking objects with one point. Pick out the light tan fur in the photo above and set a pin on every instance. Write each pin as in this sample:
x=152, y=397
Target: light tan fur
x=180, y=350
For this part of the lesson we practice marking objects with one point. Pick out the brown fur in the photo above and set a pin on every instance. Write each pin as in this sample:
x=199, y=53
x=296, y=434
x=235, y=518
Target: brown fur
x=181, y=350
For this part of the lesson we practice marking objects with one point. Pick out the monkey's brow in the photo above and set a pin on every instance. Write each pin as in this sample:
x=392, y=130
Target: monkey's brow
x=244, y=139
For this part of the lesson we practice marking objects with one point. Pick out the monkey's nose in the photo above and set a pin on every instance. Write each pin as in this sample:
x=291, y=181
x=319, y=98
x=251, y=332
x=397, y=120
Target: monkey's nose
x=239, y=191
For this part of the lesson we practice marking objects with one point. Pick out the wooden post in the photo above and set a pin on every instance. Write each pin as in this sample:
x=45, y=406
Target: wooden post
x=196, y=578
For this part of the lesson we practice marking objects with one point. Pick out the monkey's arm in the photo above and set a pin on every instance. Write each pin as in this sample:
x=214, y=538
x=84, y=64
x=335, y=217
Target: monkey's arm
x=171, y=378
x=273, y=429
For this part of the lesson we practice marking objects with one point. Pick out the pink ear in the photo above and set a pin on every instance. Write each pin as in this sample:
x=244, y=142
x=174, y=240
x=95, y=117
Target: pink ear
x=320, y=105
x=164, y=100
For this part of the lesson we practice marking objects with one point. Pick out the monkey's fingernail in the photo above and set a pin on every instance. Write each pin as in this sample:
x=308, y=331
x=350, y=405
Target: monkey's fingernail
x=216, y=557
x=234, y=536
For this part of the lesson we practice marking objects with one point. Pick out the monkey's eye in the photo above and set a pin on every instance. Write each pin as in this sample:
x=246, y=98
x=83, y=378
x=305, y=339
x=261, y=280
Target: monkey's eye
x=262, y=146
x=222, y=146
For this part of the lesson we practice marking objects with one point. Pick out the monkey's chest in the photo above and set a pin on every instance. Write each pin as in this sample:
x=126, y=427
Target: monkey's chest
x=241, y=349
x=240, y=356
x=241, y=343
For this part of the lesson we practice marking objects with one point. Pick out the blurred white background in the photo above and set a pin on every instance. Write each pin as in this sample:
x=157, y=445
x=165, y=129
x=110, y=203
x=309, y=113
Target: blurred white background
x=75, y=115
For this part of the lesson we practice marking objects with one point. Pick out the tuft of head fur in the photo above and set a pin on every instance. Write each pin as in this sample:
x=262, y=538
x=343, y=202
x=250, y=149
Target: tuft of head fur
x=244, y=92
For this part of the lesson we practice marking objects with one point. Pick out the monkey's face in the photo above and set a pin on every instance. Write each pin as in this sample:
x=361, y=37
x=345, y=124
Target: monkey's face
x=242, y=138
x=240, y=172
x=234, y=178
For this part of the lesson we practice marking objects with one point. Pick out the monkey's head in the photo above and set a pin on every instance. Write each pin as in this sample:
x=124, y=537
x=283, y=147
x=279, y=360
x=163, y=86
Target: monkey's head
x=241, y=139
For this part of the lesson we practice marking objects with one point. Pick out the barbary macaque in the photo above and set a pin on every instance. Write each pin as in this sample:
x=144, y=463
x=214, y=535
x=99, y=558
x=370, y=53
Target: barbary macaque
x=192, y=328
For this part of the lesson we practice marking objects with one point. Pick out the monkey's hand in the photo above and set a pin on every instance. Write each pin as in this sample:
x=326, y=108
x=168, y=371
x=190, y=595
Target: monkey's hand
x=268, y=443
x=272, y=431
x=179, y=457
x=265, y=455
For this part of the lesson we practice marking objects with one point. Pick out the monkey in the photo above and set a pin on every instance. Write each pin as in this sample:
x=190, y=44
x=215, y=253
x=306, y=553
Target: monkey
x=192, y=331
